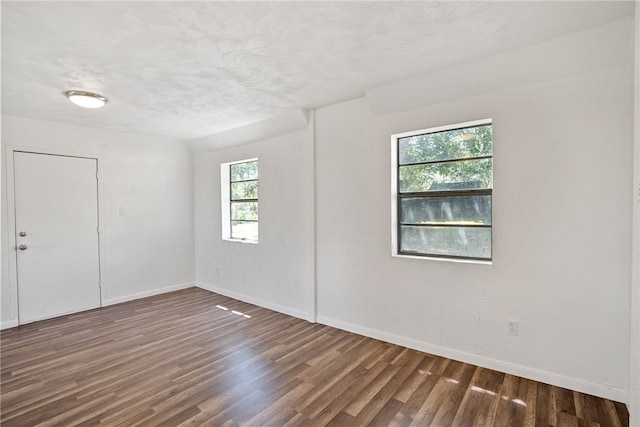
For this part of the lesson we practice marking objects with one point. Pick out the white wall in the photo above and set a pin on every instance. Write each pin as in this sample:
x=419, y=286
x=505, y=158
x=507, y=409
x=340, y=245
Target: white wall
x=562, y=220
x=278, y=272
x=634, y=337
x=148, y=250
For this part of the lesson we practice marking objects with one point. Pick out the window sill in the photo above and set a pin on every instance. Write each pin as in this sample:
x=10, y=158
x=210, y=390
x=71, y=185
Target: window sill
x=229, y=239
x=458, y=260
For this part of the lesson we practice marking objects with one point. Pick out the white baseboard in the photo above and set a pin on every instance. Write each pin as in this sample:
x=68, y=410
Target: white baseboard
x=8, y=324
x=118, y=300
x=256, y=301
x=600, y=390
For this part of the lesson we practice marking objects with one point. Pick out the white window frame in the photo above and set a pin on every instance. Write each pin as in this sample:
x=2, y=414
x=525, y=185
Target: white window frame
x=394, y=193
x=225, y=200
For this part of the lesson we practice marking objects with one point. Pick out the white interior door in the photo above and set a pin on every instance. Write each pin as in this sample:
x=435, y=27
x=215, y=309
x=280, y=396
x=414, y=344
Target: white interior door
x=56, y=211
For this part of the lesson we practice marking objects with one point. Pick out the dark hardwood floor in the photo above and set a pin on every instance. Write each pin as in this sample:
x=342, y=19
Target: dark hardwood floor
x=196, y=358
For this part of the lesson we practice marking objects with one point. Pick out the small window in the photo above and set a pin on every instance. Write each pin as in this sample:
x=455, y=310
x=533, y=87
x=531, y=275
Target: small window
x=240, y=200
x=442, y=185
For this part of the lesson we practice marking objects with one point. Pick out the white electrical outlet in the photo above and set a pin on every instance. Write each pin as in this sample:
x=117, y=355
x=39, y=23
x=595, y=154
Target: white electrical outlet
x=512, y=327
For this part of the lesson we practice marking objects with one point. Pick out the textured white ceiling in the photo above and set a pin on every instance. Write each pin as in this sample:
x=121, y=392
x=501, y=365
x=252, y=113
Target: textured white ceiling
x=184, y=70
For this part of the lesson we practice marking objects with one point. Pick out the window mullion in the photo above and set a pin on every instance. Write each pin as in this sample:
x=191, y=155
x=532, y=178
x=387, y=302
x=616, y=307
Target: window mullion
x=457, y=159
x=447, y=193
x=444, y=224
x=244, y=180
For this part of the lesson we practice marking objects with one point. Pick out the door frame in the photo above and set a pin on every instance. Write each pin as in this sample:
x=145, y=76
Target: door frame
x=11, y=219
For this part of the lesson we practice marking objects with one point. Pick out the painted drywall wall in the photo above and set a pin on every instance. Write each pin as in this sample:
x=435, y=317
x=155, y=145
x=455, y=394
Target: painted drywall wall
x=278, y=272
x=561, y=215
x=148, y=249
x=634, y=337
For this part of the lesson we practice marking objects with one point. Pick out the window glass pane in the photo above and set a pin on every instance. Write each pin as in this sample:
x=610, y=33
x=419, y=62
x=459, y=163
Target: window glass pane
x=461, y=210
x=472, y=242
x=446, y=145
x=468, y=174
x=244, y=230
x=244, y=190
x=244, y=210
x=244, y=171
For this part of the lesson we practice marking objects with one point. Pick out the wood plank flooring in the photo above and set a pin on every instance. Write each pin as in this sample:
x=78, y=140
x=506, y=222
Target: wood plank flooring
x=193, y=358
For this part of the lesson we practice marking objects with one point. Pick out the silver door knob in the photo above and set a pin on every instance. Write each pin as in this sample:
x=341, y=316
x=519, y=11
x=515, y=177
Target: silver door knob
x=22, y=247
x=22, y=234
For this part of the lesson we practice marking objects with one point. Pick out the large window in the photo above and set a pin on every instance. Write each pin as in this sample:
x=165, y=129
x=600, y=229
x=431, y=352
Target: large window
x=442, y=189
x=240, y=200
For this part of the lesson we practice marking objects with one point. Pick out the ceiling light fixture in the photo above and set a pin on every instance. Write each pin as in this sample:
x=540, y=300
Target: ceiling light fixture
x=86, y=99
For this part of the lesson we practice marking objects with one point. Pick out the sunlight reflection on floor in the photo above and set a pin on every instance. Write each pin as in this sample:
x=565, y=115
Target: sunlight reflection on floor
x=239, y=313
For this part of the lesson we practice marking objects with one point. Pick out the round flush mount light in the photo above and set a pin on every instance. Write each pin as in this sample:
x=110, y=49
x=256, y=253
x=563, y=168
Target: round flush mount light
x=86, y=99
